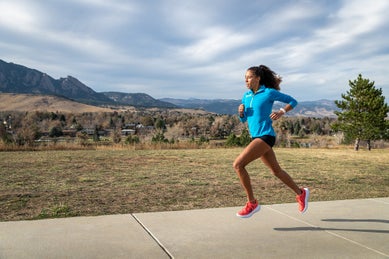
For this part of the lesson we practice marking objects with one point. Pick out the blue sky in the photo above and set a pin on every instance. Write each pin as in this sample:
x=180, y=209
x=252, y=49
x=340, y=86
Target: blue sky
x=200, y=49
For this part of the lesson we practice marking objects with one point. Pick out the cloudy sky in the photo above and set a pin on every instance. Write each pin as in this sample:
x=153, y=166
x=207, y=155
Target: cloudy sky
x=200, y=48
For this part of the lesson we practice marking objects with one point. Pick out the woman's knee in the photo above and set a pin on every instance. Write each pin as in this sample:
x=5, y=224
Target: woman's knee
x=238, y=165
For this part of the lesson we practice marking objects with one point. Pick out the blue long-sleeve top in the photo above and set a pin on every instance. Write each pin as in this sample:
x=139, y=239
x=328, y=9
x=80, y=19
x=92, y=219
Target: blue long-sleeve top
x=258, y=107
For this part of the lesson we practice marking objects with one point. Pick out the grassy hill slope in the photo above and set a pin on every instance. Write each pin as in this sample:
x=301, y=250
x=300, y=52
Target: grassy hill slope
x=30, y=102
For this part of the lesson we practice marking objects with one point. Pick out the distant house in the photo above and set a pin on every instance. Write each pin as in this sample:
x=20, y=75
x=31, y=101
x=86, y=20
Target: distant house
x=135, y=128
x=70, y=132
x=91, y=131
x=130, y=126
x=126, y=132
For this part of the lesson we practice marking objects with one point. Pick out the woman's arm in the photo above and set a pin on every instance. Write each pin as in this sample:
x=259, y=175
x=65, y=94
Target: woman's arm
x=278, y=114
x=281, y=97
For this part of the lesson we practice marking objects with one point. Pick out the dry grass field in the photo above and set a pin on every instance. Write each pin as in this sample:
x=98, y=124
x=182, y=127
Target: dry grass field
x=44, y=184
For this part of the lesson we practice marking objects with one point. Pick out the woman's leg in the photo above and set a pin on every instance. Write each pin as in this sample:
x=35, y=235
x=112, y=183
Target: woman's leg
x=253, y=151
x=269, y=159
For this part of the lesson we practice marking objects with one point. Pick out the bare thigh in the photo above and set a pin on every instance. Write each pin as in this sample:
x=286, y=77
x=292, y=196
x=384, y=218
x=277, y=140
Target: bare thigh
x=270, y=160
x=254, y=150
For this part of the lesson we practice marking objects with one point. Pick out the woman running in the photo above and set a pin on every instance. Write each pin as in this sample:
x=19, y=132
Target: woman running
x=256, y=109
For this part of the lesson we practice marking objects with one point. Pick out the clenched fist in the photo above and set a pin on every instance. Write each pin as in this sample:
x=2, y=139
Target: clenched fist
x=241, y=110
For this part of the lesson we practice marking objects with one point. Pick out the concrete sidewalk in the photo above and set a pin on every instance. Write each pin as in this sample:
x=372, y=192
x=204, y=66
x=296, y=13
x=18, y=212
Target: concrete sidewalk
x=332, y=229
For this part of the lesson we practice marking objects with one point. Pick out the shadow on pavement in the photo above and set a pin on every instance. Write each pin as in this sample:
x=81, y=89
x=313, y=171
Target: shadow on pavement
x=340, y=229
x=357, y=220
x=332, y=229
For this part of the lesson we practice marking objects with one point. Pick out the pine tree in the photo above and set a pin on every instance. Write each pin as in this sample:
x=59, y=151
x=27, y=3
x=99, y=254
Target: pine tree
x=363, y=112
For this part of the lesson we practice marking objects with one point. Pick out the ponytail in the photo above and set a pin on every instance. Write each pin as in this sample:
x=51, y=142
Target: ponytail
x=268, y=78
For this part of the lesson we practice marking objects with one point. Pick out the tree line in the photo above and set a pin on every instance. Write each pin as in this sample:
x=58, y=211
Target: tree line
x=27, y=128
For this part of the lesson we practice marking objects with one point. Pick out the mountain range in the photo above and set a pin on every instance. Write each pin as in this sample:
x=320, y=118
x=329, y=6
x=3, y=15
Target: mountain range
x=18, y=79
x=318, y=109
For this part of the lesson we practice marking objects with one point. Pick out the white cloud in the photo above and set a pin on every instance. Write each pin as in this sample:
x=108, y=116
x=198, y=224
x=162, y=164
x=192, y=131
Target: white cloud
x=213, y=43
x=200, y=48
x=18, y=16
x=354, y=19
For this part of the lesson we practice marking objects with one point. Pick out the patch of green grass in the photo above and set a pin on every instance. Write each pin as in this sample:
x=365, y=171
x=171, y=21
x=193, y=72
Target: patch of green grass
x=45, y=184
x=57, y=211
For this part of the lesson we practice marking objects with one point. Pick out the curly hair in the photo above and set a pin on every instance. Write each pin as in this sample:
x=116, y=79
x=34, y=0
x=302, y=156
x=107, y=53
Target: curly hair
x=268, y=77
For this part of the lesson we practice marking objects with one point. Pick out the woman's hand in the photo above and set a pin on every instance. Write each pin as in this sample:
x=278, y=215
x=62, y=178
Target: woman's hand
x=276, y=115
x=241, y=110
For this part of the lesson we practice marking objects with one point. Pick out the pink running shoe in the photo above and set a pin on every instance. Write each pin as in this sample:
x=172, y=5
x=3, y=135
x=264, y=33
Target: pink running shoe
x=303, y=200
x=249, y=209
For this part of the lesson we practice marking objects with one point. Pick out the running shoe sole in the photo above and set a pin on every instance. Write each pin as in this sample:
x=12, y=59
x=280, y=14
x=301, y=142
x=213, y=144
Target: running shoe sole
x=306, y=199
x=251, y=213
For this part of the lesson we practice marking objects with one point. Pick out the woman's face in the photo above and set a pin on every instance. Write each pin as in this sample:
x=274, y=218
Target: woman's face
x=252, y=81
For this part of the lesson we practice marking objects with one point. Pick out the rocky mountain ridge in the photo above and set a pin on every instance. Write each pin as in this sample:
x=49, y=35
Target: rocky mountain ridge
x=18, y=79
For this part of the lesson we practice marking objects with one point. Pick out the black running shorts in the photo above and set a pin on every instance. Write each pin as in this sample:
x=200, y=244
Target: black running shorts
x=270, y=140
